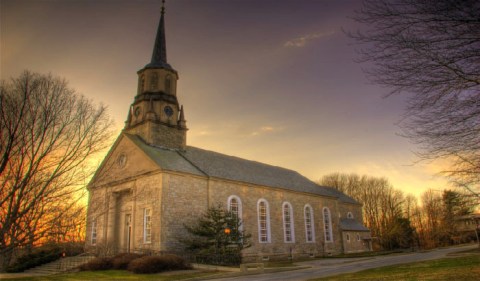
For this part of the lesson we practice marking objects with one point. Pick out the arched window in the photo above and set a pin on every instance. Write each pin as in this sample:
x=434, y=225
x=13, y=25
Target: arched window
x=168, y=84
x=348, y=237
x=153, y=81
x=349, y=215
x=263, y=221
x=358, y=237
x=141, y=84
x=234, y=205
x=288, y=227
x=309, y=228
x=327, y=223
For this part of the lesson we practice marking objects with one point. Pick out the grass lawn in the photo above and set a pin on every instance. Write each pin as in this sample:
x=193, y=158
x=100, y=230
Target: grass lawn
x=455, y=268
x=118, y=275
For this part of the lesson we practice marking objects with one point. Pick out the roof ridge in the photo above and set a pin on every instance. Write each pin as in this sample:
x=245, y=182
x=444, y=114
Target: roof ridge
x=252, y=161
x=193, y=164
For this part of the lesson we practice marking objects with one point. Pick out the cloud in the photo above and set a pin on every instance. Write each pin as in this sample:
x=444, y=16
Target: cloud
x=303, y=40
x=266, y=130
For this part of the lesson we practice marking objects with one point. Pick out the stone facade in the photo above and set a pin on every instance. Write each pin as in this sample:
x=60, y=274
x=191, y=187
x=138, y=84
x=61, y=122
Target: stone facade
x=123, y=190
x=151, y=184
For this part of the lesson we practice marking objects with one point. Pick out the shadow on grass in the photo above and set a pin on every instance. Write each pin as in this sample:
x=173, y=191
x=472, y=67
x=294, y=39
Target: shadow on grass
x=119, y=275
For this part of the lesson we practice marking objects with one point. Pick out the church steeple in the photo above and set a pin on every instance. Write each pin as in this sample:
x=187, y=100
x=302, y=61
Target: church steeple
x=159, y=55
x=155, y=114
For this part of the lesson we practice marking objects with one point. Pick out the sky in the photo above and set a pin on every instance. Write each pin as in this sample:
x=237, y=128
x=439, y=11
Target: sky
x=274, y=81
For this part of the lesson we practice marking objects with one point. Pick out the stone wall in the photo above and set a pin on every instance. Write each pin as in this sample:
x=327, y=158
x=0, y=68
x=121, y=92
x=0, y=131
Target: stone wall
x=161, y=134
x=355, y=241
x=176, y=199
x=249, y=195
x=183, y=201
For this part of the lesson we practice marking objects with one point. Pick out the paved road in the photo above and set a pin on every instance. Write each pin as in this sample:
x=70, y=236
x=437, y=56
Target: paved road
x=329, y=267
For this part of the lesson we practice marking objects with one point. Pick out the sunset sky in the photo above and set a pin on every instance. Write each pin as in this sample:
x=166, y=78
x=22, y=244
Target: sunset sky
x=268, y=80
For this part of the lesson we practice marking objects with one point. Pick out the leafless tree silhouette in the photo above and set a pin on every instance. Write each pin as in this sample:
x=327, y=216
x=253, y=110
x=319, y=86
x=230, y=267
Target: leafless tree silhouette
x=48, y=135
x=431, y=51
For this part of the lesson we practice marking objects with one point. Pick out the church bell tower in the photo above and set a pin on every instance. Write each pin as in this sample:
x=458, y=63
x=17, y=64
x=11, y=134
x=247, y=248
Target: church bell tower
x=155, y=115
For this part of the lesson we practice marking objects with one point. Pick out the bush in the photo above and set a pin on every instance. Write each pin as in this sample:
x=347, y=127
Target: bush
x=155, y=264
x=97, y=264
x=72, y=248
x=38, y=257
x=122, y=260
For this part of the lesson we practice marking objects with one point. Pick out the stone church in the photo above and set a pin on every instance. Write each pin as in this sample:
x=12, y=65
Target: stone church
x=151, y=183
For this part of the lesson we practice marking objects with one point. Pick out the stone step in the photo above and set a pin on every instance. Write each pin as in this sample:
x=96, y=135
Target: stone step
x=61, y=265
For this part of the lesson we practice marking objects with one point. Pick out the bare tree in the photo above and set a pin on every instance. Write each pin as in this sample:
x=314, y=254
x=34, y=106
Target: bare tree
x=382, y=206
x=48, y=134
x=430, y=50
x=432, y=209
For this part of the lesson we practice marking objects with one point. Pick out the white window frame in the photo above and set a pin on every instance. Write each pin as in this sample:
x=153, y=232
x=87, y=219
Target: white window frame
x=268, y=237
x=147, y=225
x=239, y=207
x=312, y=224
x=93, y=238
x=327, y=225
x=288, y=225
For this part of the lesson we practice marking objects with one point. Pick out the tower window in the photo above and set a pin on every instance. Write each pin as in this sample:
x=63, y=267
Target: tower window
x=168, y=84
x=141, y=84
x=288, y=229
x=263, y=221
x=153, y=81
x=349, y=215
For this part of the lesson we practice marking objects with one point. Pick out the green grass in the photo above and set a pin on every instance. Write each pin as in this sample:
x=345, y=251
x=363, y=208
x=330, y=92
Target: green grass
x=117, y=275
x=275, y=264
x=471, y=251
x=457, y=268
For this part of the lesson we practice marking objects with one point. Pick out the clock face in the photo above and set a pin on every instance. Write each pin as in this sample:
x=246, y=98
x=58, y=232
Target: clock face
x=138, y=110
x=168, y=110
x=122, y=160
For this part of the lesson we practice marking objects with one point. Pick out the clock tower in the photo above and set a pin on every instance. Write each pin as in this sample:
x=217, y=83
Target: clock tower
x=155, y=114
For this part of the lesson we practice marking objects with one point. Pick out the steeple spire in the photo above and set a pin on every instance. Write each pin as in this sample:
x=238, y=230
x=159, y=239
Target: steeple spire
x=155, y=115
x=159, y=55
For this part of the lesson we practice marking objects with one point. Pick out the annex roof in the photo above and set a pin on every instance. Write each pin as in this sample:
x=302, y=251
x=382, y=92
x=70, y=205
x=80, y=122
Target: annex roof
x=352, y=225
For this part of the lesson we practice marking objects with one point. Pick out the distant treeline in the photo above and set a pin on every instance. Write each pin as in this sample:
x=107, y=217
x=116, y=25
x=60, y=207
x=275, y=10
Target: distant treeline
x=397, y=220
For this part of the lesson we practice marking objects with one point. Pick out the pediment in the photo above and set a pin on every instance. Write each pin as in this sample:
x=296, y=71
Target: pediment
x=125, y=160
